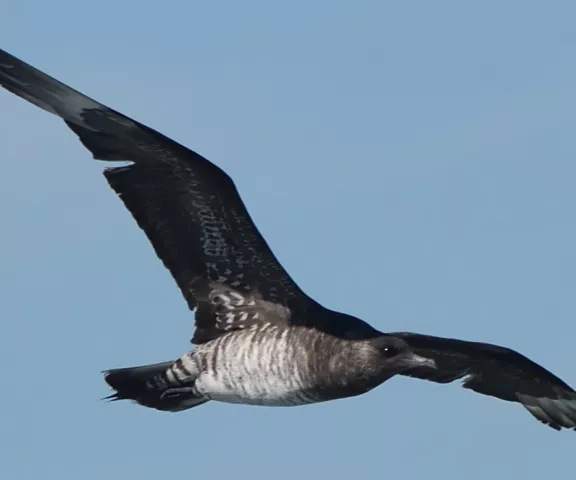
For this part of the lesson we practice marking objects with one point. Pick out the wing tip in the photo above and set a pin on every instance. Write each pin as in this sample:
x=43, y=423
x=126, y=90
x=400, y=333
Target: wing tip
x=557, y=413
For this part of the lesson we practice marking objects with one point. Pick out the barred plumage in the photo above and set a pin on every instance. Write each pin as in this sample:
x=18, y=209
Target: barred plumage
x=261, y=339
x=279, y=366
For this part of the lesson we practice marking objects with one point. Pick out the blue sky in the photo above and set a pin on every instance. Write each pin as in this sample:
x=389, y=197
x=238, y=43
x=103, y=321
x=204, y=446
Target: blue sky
x=412, y=163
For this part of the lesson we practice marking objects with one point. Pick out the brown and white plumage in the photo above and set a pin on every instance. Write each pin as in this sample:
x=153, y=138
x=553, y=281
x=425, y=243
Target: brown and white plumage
x=257, y=332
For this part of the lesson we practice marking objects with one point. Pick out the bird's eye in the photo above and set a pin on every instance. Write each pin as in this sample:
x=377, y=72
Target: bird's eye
x=390, y=351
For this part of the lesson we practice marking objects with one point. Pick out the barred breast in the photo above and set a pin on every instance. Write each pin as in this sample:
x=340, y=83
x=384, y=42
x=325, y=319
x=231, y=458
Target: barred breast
x=278, y=366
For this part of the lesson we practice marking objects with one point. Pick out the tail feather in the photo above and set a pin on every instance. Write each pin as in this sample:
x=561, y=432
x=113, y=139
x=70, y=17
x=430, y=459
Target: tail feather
x=130, y=383
x=133, y=383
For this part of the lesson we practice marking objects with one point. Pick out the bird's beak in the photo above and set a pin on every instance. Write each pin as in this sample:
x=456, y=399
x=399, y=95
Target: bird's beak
x=417, y=361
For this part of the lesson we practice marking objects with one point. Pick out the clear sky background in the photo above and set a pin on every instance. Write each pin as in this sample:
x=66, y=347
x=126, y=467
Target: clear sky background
x=412, y=163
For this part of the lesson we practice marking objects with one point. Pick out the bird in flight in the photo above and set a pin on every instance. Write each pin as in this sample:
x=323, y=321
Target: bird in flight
x=259, y=339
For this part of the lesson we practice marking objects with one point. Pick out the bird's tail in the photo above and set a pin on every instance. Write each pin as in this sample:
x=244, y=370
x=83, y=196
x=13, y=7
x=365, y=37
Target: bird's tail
x=149, y=386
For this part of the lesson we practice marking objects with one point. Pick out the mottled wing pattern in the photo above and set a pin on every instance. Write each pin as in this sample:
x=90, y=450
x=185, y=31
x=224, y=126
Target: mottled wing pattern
x=498, y=372
x=188, y=207
x=222, y=308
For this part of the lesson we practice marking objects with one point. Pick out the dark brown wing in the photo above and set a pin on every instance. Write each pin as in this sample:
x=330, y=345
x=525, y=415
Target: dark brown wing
x=188, y=207
x=498, y=372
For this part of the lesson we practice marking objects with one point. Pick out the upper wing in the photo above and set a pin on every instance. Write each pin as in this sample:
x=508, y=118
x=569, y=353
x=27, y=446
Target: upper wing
x=188, y=207
x=499, y=372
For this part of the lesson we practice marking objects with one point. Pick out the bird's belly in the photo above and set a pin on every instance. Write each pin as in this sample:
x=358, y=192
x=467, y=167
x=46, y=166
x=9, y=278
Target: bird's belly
x=269, y=391
x=266, y=366
x=258, y=367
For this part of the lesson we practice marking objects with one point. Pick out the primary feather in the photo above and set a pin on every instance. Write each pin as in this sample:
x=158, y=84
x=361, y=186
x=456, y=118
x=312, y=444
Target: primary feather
x=261, y=339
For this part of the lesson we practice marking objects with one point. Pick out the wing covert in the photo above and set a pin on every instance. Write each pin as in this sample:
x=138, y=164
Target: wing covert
x=188, y=207
x=498, y=372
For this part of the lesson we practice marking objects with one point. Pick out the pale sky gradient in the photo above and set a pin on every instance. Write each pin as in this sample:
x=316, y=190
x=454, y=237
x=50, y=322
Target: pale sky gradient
x=412, y=163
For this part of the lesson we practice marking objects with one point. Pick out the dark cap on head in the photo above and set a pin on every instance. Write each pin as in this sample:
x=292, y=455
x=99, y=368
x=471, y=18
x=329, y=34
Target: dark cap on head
x=399, y=356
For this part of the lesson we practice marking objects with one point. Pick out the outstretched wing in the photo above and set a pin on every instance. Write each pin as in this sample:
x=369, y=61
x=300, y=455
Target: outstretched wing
x=498, y=372
x=188, y=207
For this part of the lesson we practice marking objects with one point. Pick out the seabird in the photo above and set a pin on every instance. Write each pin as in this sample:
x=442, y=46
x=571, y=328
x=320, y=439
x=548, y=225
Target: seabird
x=259, y=338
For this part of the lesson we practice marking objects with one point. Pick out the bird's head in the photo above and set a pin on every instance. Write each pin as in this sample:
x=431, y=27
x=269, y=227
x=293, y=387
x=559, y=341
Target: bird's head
x=397, y=356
